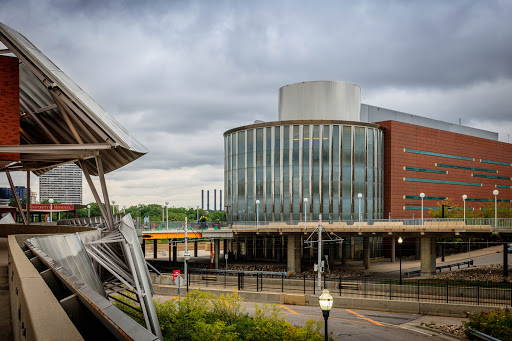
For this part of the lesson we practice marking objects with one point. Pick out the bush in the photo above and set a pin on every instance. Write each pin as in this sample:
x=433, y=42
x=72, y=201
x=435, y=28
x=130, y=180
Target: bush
x=497, y=324
x=204, y=316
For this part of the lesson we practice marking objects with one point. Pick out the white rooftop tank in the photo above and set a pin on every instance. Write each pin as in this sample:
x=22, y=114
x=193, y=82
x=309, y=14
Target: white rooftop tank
x=320, y=100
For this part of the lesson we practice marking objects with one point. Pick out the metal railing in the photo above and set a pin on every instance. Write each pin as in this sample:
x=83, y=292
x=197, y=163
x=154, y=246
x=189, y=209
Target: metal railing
x=478, y=293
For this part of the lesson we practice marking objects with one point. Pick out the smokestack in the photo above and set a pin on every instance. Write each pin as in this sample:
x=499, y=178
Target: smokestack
x=215, y=200
x=208, y=200
x=202, y=199
x=220, y=201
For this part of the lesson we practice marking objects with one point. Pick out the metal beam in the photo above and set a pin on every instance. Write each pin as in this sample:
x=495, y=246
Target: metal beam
x=95, y=194
x=68, y=122
x=18, y=204
x=5, y=51
x=28, y=197
x=104, y=190
x=52, y=148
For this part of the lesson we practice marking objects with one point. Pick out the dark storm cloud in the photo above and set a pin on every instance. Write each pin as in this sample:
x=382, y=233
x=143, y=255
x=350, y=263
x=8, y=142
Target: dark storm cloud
x=178, y=74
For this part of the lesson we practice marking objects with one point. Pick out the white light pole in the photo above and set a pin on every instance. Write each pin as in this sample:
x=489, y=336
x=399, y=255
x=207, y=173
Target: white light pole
x=320, y=253
x=257, y=215
x=305, y=204
x=325, y=300
x=167, y=215
x=124, y=209
x=113, y=205
x=495, y=192
x=422, y=195
x=359, y=195
x=89, y=211
x=464, y=197
x=51, y=209
x=163, y=211
x=186, y=256
x=400, y=241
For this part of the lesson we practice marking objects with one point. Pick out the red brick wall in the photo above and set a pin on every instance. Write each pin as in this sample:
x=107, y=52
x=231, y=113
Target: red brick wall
x=9, y=106
x=399, y=136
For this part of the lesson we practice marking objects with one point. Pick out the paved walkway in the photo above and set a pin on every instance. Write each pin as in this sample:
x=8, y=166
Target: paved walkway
x=5, y=311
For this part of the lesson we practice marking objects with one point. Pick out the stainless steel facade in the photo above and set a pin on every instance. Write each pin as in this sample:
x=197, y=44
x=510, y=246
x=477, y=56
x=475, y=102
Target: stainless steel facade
x=281, y=163
x=320, y=100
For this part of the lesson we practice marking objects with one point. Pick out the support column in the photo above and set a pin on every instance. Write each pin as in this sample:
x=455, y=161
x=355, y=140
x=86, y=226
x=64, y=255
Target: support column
x=298, y=257
x=428, y=255
x=175, y=254
x=352, y=248
x=293, y=253
x=366, y=252
x=155, y=248
x=278, y=249
x=225, y=246
x=143, y=246
x=393, y=250
x=216, y=251
x=27, y=201
x=344, y=249
x=195, y=248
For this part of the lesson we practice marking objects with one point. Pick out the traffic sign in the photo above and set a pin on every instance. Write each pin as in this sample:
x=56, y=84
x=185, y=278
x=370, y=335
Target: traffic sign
x=179, y=281
x=175, y=273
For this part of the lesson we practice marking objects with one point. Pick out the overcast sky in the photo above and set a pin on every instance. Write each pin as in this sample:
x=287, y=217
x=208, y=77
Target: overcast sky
x=177, y=74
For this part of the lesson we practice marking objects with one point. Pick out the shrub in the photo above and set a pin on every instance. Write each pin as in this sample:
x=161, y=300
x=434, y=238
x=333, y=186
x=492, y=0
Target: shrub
x=497, y=324
x=204, y=316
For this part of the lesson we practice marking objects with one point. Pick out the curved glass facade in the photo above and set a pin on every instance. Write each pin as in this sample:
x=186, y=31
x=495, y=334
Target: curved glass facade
x=281, y=163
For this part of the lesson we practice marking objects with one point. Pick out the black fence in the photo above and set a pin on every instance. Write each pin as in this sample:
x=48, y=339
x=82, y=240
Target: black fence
x=477, y=293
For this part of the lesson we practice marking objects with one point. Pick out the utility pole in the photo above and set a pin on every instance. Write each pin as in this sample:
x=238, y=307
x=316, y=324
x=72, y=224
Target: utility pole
x=319, y=265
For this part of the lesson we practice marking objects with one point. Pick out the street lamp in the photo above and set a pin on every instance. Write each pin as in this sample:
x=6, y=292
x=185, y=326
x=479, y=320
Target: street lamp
x=422, y=195
x=89, y=211
x=163, y=210
x=166, y=215
x=197, y=213
x=464, y=197
x=495, y=192
x=325, y=301
x=257, y=215
x=359, y=195
x=51, y=209
x=113, y=206
x=400, y=241
x=305, y=203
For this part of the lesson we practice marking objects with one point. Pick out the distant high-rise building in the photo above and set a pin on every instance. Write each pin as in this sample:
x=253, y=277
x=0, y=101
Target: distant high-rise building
x=62, y=184
x=6, y=193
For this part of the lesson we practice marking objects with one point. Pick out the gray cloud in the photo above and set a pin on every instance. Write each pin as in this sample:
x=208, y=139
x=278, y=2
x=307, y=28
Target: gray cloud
x=178, y=74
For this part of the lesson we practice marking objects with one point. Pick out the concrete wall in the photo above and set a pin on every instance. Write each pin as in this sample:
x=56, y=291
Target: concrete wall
x=36, y=313
x=14, y=229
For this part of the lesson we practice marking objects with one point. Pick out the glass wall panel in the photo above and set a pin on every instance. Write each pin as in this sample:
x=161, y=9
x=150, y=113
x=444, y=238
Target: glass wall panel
x=242, y=213
x=250, y=176
x=277, y=174
x=305, y=173
x=286, y=173
x=359, y=167
x=336, y=172
x=369, y=174
x=346, y=171
x=268, y=176
x=296, y=173
x=325, y=173
x=315, y=176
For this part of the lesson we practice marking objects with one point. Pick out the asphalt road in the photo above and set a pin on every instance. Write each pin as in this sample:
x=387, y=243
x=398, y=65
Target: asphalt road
x=355, y=324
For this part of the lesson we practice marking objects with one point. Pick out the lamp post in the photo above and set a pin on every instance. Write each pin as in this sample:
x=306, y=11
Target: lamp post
x=400, y=241
x=113, y=206
x=422, y=195
x=464, y=197
x=51, y=209
x=186, y=255
x=305, y=204
x=495, y=192
x=163, y=211
x=197, y=213
x=89, y=211
x=124, y=209
x=166, y=215
x=325, y=301
x=257, y=216
x=359, y=195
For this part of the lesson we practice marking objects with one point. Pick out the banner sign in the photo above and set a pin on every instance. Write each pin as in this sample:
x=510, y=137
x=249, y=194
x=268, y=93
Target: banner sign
x=55, y=207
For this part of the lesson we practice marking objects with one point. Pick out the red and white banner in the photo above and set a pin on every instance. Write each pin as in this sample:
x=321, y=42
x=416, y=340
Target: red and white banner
x=55, y=207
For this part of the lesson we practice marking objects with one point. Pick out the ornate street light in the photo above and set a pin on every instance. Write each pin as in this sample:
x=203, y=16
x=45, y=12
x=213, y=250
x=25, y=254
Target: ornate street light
x=89, y=211
x=495, y=192
x=422, y=195
x=464, y=197
x=359, y=195
x=325, y=301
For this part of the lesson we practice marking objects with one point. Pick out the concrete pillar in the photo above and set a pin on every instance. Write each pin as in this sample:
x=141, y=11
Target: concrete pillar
x=155, y=248
x=225, y=246
x=417, y=249
x=216, y=250
x=428, y=256
x=344, y=251
x=278, y=248
x=293, y=263
x=366, y=252
x=195, y=248
x=352, y=248
x=265, y=247
x=393, y=250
